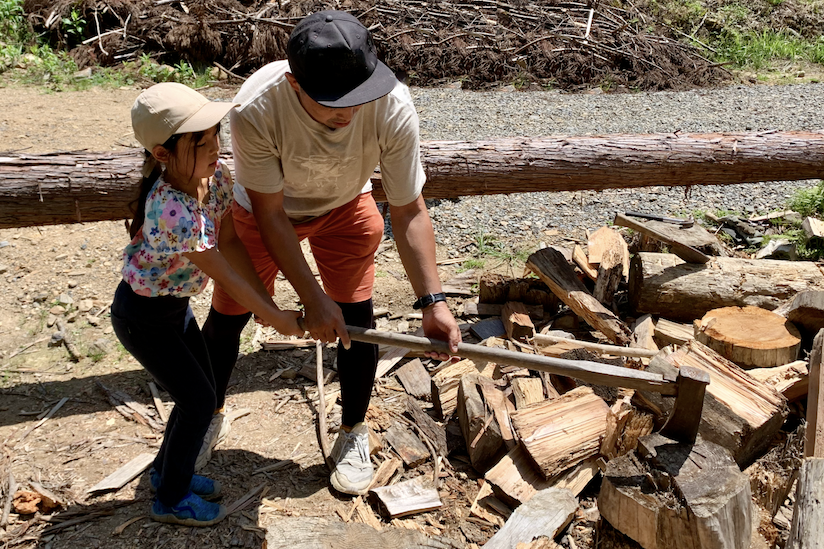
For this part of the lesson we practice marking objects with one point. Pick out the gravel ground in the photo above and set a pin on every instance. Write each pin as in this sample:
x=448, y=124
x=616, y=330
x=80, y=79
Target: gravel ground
x=461, y=115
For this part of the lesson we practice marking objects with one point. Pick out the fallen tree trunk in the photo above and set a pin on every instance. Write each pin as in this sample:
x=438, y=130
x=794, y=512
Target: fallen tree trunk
x=663, y=284
x=86, y=186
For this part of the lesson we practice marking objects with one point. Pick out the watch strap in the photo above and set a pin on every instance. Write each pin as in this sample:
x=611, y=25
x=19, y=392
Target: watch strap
x=429, y=299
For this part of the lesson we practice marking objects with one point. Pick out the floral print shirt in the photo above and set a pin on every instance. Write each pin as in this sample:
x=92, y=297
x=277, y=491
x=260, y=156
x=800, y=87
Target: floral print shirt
x=176, y=223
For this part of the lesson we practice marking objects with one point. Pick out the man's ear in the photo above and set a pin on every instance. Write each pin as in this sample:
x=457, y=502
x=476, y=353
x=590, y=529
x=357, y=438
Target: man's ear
x=161, y=154
x=293, y=81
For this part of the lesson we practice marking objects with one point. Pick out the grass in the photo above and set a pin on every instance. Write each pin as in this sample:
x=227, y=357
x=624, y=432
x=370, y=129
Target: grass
x=809, y=202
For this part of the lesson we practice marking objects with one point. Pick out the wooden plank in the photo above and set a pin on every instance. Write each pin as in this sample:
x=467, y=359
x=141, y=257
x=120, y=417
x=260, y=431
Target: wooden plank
x=413, y=452
x=407, y=498
x=415, y=379
x=435, y=432
x=553, y=269
x=123, y=475
x=807, y=530
x=161, y=408
x=814, y=444
x=685, y=252
x=546, y=514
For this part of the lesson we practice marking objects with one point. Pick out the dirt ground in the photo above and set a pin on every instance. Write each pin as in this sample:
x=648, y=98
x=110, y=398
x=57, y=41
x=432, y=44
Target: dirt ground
x=66, y=275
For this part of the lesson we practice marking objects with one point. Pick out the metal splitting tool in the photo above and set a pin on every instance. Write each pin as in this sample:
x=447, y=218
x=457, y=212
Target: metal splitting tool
x=688, y=388
x=683, y=223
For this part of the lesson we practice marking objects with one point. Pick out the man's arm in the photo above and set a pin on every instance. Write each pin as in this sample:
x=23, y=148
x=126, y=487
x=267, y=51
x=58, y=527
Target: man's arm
x=416, y=244
x=324, y=320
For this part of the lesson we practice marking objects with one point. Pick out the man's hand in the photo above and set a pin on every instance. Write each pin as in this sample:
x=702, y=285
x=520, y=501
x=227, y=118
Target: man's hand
x=438, y=323
x=324, y=321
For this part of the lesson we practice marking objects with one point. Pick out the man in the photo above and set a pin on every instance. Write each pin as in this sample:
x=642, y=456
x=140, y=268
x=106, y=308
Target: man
x=306, y=140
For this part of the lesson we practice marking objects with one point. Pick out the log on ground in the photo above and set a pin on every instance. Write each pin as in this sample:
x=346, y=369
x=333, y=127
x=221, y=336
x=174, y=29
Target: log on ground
x=79, y=187
x=663, y=284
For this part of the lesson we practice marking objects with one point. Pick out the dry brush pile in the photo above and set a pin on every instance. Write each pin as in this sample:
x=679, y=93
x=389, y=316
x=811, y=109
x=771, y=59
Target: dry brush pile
x=481, y=42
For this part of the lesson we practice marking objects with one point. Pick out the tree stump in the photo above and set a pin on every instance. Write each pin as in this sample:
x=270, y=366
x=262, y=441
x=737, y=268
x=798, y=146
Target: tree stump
x=749, y=336
x=678, y=495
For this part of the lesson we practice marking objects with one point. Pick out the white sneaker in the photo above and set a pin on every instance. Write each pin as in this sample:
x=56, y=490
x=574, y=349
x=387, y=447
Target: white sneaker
x=353, y=467
x=217, y=433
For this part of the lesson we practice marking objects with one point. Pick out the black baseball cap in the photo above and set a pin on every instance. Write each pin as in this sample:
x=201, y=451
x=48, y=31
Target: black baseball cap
x=333, y=58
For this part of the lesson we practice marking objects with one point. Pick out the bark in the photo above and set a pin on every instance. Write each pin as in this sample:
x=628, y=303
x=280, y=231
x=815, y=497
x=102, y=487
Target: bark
x=72, y=187
x=662, y=284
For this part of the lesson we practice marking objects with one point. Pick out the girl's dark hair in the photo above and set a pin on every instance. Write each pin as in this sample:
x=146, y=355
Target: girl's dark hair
x=138, y=206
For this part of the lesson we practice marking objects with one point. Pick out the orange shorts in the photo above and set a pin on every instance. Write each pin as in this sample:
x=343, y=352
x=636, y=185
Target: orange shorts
x=343, y=243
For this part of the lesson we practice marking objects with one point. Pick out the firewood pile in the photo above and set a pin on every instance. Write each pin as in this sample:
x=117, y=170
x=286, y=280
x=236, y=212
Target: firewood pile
x=538, y=439
x=564, y=44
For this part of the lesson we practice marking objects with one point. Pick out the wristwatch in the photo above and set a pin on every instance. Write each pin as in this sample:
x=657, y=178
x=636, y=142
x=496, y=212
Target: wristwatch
x=429, y=299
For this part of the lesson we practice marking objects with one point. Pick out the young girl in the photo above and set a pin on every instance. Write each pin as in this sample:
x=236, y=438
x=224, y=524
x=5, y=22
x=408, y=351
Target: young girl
x=182, y=235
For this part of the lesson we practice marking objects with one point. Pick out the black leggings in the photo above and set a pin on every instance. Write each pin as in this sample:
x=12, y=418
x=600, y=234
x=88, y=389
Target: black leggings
x=162, y=334
x=356, y=367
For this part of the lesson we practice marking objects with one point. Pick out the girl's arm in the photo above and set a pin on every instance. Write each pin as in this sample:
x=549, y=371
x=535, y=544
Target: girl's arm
x=217, y=267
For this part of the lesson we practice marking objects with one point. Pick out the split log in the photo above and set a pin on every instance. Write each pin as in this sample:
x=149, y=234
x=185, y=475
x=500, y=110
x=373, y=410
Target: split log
x=678, y=495
x=413, y=452
x=445, y=384
x=807, y=312
x=749, y=336
x=527, y=390
x=479, y=424
x=415, y=379
x=558, y=274
x=546, y=514
x=408, y=498
x=515, y=480
x=740, y=413
x=610, y=274
x=663, y=284
x=427, y=426
x=813, y=229
x=807, y=530
x=791, y=380
x=668, y=332
x=561, y=432
x=643, y=332
x=606, y=241
x=75, y=187
x=517, y=323
x=496, y=288
x=579, y=257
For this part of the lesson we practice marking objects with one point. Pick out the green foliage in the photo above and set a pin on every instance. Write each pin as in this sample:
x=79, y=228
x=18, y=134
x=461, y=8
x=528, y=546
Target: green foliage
x=470, y=264
x=14, y=29
x=809, y=202
x=74, y=26
x=182, y=72
x=756, y=50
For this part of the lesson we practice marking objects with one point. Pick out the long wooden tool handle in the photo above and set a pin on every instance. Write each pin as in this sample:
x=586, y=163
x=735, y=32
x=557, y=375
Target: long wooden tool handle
x=591, y=372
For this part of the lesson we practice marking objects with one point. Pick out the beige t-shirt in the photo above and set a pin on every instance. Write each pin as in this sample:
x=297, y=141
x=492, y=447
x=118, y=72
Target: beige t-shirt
x=278, y=146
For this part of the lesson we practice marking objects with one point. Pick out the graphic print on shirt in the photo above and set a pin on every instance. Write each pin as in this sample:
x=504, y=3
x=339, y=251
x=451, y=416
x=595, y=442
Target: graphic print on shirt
x=322, y=172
